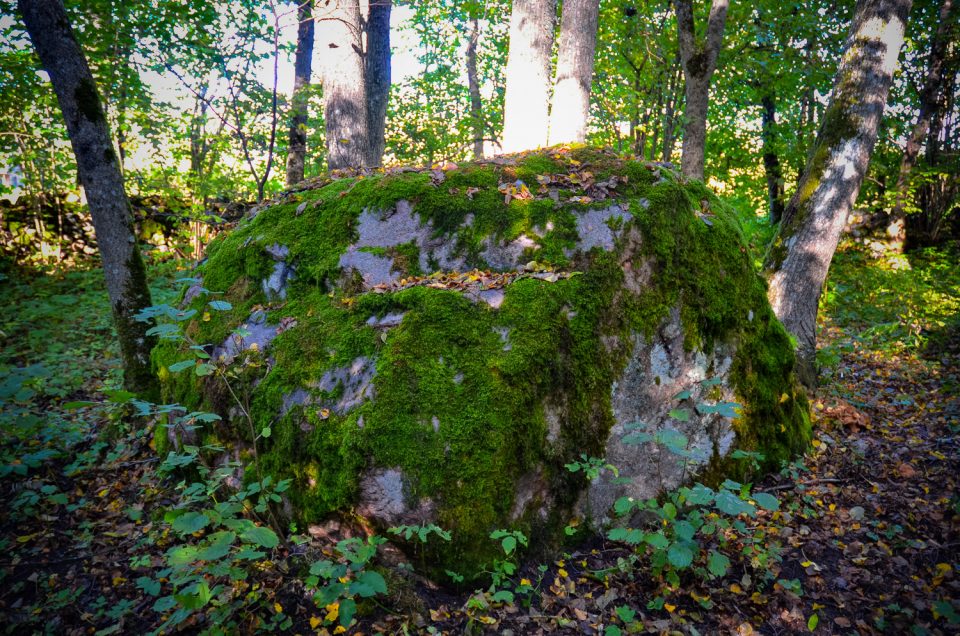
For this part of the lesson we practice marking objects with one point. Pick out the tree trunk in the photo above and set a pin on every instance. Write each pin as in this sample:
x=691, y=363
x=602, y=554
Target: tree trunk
x=99, y=172
x=303, y=62
x=670, y=116
x=473, y=82
x=800, y=256
x=699, y=61
x=344, y=93
x=929, y=93
x=771, y=163
x=527, y=97
x=377, y=78
x=571, y=90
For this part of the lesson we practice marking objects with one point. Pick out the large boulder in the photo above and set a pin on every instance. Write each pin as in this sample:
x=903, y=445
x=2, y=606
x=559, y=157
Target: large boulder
x=433, y=346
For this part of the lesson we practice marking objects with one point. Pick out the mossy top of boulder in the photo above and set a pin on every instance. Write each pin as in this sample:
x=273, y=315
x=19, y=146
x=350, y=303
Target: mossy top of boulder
x=434, y=345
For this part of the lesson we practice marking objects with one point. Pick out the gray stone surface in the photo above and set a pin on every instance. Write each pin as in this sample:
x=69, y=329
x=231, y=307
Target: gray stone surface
x=356, y=380
x=642, y=399
x=593, y=227
x=402, y=225
x=385, y=498
x=254, y=333
x=275, y=285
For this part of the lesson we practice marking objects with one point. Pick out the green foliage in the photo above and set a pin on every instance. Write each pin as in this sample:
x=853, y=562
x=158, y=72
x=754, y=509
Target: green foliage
x=591, y=467
x=694, y=525
x=337, y=583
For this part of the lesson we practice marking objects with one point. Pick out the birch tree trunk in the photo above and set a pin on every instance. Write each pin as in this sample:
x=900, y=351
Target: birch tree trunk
x=303, y=62
x=929, y=103
x=571, y=89
x=99, y=172
x=527, y=97
x=377, y=78
x=699, y=62
x=344, y=89
x=800, y=256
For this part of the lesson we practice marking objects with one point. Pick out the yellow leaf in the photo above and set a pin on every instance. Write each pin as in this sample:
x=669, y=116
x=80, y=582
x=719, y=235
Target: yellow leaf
x=315, y=621
x=562, y=572
x=333, y=611
x=670, y=608
x=735, y=588
x=525, y=582
x=206, y=316
x=278, y=608
x=339, y=629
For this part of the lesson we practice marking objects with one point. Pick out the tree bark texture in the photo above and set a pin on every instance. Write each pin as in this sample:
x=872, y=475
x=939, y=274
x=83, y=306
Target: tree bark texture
x=570, y=107
x=699, y=62
x=99, y=172
x=527, y=97
x=344, y=89
x=473, y=84
x=929, y=103
x=377, y=78
x=799, y=259
x=771, y=162
x=303, y=63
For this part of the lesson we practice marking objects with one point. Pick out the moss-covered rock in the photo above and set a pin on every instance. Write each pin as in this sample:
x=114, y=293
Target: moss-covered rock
x=434, y=346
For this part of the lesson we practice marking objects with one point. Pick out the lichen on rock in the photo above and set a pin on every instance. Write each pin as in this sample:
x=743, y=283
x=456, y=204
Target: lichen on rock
x=439, y=344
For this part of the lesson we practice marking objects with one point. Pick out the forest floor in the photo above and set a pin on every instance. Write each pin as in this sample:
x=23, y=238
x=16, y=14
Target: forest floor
x=866, y=537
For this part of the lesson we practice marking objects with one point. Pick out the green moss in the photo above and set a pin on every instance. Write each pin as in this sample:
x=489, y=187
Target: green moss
x=461, y=389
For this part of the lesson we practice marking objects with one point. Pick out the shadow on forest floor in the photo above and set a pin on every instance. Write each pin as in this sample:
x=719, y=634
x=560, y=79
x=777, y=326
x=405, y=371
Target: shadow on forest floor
x=865, y=538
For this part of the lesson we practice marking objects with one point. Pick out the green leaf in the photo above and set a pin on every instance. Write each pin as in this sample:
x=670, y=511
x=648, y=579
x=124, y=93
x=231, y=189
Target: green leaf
x=812, y=622
x=182, y=365
x=195, y=596
x=623, y=505
x=149, y=585
x=181, y=556
x=503, y=596
x=730, y=504
x=164, y=604
x=262, y=536
x=684, y=530
x=682, y=395
x=70, y=406
x=681, y=415
x=717, y=563
x=165, y=330
x=190, y=522
x=348, y=609
x=766, y=501
x=509, y=544
x=612, y=630
x=680, y=555
x=699, y=495
x=946, y=610
x=204, y=369
x=626, y=614
x=728, y=409
x=669, y=511
x=657, y=540
x=220, y=305
x=368, y=584
x=218, y=547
